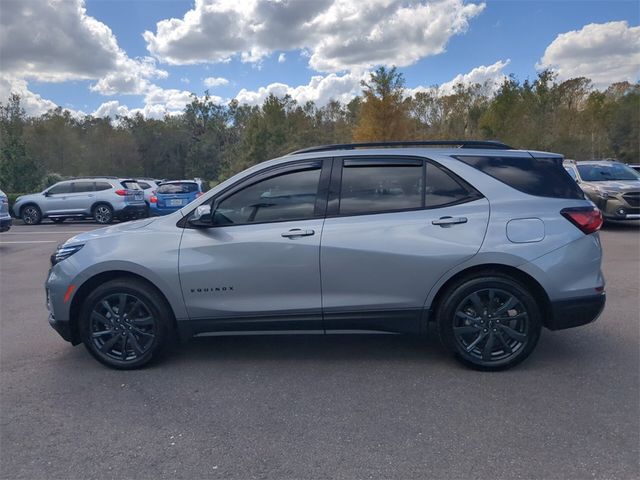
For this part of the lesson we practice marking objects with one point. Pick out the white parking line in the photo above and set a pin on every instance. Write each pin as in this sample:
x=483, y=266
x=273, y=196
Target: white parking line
x=31, y=241
x=45, y=233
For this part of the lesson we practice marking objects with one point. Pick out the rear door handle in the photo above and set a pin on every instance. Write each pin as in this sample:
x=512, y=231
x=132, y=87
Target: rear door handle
x=298, y=232
x=448, y=221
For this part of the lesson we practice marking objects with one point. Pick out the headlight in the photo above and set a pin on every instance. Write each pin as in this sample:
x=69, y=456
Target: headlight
x=64, y=251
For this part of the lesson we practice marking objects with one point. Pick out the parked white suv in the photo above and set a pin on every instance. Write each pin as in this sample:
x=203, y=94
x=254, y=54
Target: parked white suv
x=102, y=198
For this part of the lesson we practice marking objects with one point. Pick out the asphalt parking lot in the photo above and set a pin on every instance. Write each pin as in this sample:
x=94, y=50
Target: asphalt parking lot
x=315, y=406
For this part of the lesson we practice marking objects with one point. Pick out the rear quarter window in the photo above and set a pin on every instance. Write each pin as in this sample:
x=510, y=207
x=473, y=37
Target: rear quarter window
x=130, y=185
x=542, y=177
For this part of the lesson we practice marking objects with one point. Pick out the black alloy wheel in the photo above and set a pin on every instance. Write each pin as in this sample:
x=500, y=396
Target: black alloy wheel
x=103, y=214
x=490, y=324
x=124, y=323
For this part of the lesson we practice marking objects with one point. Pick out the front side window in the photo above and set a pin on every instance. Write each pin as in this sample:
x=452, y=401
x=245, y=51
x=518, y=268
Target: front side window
x=60, y=189
x=286, y=197
x=376, y=187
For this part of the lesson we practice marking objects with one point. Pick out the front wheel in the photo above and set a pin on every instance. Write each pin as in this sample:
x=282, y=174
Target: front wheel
x=103, y=214
x=124, y=324
x=31, y=215
x=490, y=323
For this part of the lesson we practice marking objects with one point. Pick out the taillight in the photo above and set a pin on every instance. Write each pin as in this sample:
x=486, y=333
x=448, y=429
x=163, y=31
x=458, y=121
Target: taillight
x=587, y=219
x=121, y=192
x=153, y=199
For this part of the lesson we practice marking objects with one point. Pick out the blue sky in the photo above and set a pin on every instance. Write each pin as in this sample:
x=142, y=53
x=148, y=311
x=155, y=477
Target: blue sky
x=600, y=39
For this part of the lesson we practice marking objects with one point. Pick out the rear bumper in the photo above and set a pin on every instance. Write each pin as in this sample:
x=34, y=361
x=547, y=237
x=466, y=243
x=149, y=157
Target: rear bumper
x=155, y=211
x=575, y=312
x=5, y=224
x=137, y=210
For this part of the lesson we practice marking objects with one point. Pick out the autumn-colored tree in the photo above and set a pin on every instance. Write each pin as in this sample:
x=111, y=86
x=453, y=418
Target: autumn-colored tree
x=384, y=113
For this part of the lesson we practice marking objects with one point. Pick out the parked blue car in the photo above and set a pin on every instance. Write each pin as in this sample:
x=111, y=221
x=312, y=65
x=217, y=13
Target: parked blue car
x=174, y=195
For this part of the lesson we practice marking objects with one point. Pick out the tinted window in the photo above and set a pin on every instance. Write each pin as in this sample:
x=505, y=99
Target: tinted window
x=144, y=185
x=79, y=187
x=571, y=172
x=100, y=186
x=130, y=185
x=544, y=177
x=291, y=196
x=443, y=189
x=604, y=172
x=368, y=187
x=185, y=187
x=60, y=188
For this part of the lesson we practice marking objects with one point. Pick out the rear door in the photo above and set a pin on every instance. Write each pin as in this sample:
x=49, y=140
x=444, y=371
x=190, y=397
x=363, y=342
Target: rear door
x=80, y=198
x=394, y=226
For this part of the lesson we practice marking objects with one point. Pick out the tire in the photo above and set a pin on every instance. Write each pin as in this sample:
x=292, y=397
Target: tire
x=102, y=214
x=58, y=220
x=129, y=341
x=31, y=214
x=490, y=321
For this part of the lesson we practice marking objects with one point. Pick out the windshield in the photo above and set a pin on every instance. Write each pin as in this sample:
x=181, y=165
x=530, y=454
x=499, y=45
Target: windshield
x=186, y=187
x=603, y=173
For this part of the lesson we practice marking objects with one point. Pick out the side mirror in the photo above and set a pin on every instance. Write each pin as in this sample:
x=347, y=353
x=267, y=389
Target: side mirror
x=46, y=193
x=201, y=216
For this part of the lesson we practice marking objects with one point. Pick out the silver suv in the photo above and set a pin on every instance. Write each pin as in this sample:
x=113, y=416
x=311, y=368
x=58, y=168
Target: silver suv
x=488, y=243
x=102, y=198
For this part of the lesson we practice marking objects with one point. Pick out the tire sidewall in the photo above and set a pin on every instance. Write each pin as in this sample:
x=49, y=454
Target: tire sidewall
x=38, y=218
x=459, y=292
x=103, y=205
x=151, y=299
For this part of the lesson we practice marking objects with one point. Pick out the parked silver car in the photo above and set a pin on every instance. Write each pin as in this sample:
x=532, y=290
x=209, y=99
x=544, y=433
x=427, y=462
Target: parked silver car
x=489, y=243
x=5, y=218
x=102, y=198
x=149, y=186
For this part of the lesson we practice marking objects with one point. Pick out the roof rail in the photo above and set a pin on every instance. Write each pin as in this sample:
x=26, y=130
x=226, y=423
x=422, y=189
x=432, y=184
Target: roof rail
x=447, y=143
x=91, y=176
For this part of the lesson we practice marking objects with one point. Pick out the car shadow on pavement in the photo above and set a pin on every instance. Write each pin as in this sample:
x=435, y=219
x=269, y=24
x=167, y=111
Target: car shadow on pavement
x=621, y=226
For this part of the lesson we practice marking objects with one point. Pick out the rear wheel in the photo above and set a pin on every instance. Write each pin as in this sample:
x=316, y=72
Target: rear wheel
x=103, y=214
x=490, y=323
x=124, y=324
x=31, y=215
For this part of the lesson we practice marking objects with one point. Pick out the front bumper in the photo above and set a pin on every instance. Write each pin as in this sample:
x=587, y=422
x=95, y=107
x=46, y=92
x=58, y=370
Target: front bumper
x=63, y=329
x=617, y=208
x=575, y=312
x=5, y=224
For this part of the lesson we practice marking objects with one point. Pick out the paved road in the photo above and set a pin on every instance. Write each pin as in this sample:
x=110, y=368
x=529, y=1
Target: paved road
x=316, y=407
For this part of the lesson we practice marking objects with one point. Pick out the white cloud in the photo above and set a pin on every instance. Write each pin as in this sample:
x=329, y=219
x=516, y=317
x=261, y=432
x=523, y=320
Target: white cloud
x=213, y=82
x=282, y=58
x=338, y=34
x=320, y=89
x=56, y=41
x=490, y=75
x=32, y=103
x=604, y=52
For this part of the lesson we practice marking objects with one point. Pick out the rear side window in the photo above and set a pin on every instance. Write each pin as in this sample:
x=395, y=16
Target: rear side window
x=443, y=189
x=144, y=185
x=100, y=186
x=130, y=185
x=186, y=187
x=543, y=177
x=370, y=186
x=60, y=188
x=79, y=187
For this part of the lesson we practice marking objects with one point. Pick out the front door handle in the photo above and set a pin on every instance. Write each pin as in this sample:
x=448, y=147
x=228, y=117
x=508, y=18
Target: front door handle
x=448, y=221
x=298, y=232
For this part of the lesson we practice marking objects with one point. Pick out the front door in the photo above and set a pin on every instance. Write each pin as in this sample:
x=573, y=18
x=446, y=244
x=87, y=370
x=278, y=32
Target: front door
x=258, y=266
x=387, y=240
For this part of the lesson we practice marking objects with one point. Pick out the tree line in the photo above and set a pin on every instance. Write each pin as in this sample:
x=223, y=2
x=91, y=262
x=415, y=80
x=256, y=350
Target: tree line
x=213, y=141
